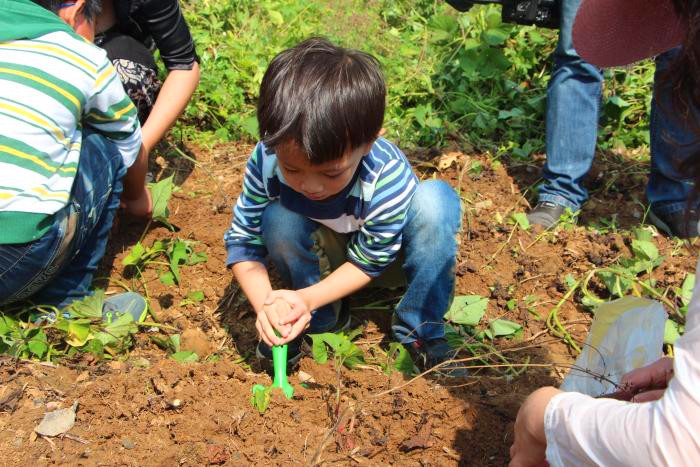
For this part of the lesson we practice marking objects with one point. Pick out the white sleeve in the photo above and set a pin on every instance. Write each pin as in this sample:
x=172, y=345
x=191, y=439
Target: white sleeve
x=582, y=430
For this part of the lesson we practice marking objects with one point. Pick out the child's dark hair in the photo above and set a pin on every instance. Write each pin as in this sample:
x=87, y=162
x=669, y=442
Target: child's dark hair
x=90, y=9
x=325, y=98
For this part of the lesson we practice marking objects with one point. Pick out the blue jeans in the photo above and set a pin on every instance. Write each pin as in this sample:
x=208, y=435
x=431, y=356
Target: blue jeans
x=573, y=104
x=428, y=251
x=58, y=268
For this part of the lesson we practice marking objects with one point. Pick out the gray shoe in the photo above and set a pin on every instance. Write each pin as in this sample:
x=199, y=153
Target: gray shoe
x=677, y=224
x=546, y=214
x=122, y=304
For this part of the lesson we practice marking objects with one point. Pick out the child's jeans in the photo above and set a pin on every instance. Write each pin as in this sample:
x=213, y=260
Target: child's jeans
x=303, y=250
x=58, y=268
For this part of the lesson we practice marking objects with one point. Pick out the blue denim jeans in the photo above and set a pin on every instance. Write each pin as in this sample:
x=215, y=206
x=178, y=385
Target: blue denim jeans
x=58, y=268
x=428, y=253
x=573, y=104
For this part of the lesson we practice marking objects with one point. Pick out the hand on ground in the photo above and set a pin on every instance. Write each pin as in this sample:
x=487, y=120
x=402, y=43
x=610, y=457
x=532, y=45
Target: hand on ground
x=530, y=444
x=141, y=206
x=299, y=315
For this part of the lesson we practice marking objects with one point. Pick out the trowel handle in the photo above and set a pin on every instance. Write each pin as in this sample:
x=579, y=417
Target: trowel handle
x=279, y=363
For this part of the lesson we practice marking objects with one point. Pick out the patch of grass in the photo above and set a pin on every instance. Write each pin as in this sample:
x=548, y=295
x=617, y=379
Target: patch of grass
x=451, y=76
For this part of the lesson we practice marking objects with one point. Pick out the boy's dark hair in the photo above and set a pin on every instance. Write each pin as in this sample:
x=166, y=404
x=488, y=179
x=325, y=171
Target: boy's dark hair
x=91, y=8
x=325, y=98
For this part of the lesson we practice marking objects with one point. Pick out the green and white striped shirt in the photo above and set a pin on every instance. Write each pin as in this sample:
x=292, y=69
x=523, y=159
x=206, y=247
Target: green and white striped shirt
x=51, y=87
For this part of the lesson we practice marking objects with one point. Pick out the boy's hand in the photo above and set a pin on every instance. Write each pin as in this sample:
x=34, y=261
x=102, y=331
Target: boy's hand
x=141, y=206
x=298, y=317
x=649, y=382
x=268, y=321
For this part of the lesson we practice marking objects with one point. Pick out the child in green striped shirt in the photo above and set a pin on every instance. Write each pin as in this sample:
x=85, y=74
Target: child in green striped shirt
x=70, y=153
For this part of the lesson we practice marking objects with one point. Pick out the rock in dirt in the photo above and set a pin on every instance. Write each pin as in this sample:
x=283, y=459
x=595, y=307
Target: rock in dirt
x=217, y=454
x=57, y=422
x=419, y=441
x=196, y=341
x=128, y=444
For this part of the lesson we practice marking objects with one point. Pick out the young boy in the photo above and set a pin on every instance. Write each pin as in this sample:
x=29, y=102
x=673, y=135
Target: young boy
x=70, y=144
x=322, y=166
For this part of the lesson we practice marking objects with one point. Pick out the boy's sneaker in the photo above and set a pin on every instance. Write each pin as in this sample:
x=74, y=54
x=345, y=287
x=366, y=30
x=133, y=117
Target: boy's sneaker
x=264, y=353
x=677, y=224
x=427, y=354
x=546, y=214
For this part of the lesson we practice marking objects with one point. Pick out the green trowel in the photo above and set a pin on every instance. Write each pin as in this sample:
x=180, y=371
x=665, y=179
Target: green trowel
x=279, y=363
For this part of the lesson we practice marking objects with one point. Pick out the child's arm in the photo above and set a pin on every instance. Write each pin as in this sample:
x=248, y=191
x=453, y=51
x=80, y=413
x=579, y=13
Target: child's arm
x=345, y=280
x=110, y=112
x=255, y=282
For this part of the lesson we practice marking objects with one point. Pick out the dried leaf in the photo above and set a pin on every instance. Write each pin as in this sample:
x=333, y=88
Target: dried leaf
x=57, y=422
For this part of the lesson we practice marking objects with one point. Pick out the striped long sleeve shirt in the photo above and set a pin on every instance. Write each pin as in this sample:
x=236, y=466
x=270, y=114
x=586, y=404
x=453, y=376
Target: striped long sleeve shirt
x=372, y=208
x=52, y=87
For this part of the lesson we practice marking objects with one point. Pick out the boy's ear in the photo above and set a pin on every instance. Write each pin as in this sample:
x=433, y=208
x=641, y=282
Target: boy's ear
x=382, y=132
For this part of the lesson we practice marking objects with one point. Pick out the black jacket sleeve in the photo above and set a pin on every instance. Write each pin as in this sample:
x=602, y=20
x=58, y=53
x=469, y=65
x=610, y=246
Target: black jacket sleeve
x=161, y=20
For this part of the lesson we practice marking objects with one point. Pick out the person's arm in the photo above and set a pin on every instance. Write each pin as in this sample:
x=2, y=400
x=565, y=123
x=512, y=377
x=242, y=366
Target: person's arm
x=172, y=99
x=164, y=22
x=580, y=430
x=110, y=112
x=345, y=280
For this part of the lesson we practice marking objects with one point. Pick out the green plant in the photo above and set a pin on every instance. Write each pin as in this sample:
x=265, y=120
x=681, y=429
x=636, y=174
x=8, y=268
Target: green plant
x=78, y=328
x=397, y=359
x=176, y=252
x=458, y=76
x=466, y=313
x=340, y=345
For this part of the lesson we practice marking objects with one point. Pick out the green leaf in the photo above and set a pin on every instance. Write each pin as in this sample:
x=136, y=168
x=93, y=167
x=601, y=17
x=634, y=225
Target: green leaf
x=178, y=255
x=467, y=309
x=122, y=326
x=38, y=344
x=685, y=292
x=175, y=342
x=672, y=331
x=161, y=193
x=570, y=281
x=196, y=296
x=89, y=307
x=520, y=218
x=95, y=347
x=135, y=255
x=402, y=359
x=318, y=349
x=167, y=278
x=185, y=356
x=495, y=36
x=645, y=249
x=261, y=399
x=7, y=325
x=78, y=333
x=196, y=258
x=503, y=327
x=454, y=339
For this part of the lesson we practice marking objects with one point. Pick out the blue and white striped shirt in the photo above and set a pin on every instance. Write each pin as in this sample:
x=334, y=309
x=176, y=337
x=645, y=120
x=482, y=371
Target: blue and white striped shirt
x=373, y=207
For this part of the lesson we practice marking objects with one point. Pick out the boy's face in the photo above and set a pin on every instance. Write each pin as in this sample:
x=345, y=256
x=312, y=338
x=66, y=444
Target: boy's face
x=317, y=182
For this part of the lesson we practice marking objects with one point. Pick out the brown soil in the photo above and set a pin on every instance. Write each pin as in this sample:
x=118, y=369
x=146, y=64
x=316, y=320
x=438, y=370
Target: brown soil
x=148, y=409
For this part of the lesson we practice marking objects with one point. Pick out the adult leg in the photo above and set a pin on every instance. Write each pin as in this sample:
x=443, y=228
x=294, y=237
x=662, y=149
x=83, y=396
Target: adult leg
x=573, y=102
x=672, y=141
x=430, y=250
x=95, y=198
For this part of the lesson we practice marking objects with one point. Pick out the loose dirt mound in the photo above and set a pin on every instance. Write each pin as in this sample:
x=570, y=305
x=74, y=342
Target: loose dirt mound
x=151, y=410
